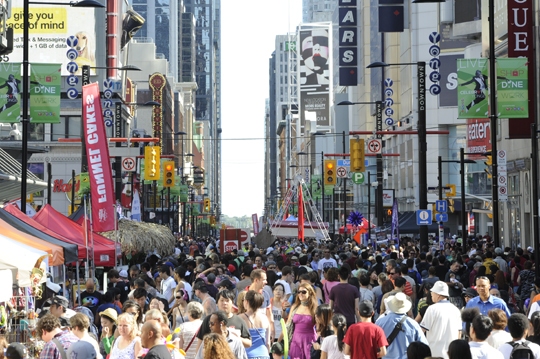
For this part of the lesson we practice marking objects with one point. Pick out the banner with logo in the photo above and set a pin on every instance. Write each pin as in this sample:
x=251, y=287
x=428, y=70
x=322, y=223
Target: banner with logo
x=472, y=87
x=513, y=88
x=45, y=82
x=10, y=92
x=99, y=169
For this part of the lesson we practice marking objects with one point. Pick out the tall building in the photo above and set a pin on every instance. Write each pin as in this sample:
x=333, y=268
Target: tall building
x=187, y=34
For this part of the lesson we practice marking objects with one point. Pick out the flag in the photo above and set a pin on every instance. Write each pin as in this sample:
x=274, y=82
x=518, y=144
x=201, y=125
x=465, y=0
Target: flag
x=395, y=221
x=99, y=170
x=300, y=214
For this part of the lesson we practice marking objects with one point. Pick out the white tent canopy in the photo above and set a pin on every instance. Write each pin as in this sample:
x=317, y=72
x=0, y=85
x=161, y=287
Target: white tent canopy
x=19, y=258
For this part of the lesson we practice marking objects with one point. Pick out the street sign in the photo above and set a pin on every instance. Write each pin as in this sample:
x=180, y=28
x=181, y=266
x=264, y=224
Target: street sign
x=341, y=172
x=128, y=164
x=423, y=217
x=501, y=157
x=441, y=206
x=243, y=236
x=344, y=163
x=358, y=177
x=374, y=146
x=441, y=217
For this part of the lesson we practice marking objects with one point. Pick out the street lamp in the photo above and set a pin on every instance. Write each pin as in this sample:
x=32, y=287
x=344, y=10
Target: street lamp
x=462, y=161
x=378, y=127
x=422, y=138
x=25, y=80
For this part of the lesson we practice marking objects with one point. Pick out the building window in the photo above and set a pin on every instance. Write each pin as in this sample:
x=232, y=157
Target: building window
x=69, y=127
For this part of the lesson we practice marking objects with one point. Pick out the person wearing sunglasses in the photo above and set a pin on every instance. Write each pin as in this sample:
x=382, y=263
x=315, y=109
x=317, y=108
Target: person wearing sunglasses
x=302, y=314
x=219, y=325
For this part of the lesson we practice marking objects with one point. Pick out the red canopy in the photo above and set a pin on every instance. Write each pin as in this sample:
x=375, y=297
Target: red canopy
x=104, y=248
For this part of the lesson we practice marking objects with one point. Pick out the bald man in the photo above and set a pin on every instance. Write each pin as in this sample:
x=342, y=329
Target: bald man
x=151, y=339
x=90, y=297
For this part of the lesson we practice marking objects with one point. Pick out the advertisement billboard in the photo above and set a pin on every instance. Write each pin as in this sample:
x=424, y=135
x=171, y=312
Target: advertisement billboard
x=50, y=26
x=448, y=71
x=512, y=88
x=472, y=78
x=314, y=64
x=45, y=93
x=10, y=92
x=478, y=137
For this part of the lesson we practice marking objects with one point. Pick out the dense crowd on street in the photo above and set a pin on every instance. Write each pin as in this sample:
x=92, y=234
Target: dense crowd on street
x=306, y=300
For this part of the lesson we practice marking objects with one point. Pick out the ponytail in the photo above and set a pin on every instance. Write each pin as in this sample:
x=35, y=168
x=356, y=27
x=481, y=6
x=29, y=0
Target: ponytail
x=340, y=323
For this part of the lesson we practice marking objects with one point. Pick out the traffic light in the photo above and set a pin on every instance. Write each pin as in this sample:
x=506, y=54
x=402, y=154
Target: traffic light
x=207, y=205
x=357, y=155
x=451, y=207
x=488, y=162
x=330, y=172
x=168, y=174
x=387, y=215
x=152, y=156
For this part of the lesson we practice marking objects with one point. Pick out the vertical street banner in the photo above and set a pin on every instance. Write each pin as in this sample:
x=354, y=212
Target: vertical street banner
x=472, y=88
x=10, y=92
x=102, y=194
x=300, y=214
x=45, y=82
x=521, y=44
x=513, y=88
x=314, y=64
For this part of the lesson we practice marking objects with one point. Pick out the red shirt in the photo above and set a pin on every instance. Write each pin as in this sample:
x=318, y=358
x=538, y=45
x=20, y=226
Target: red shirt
x=365, y=339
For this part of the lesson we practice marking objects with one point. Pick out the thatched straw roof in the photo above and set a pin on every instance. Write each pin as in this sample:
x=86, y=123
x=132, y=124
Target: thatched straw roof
x=143, y=237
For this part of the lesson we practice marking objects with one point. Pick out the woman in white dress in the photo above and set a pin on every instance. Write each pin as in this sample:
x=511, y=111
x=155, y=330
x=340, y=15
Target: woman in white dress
x=179, y=310
x=128, y=345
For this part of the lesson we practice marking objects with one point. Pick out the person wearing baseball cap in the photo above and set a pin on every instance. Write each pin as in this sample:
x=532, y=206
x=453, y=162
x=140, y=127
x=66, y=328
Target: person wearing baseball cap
x=365, y=340
x=81, y=349
x=442, y=321
x=59, y=308
x=399, y=305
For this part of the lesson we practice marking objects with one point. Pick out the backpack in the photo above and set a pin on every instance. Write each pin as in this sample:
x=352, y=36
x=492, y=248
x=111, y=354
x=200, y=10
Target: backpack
x=521, y=350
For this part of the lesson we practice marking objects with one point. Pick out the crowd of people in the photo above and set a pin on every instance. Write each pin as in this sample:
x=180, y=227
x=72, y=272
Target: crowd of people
x=307, y=300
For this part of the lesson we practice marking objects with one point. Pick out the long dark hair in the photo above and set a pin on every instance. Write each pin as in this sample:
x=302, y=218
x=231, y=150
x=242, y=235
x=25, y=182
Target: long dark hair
x=324, y=316
x=340, y=325
x=459, y=349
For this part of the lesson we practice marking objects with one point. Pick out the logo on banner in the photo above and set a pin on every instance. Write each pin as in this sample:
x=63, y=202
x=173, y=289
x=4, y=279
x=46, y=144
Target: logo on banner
x=435, y=63
x=97, y=151
x=388, y=101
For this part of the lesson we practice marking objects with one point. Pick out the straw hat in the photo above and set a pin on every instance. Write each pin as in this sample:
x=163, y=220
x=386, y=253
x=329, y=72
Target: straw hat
x=110, y=313
x=399, y=303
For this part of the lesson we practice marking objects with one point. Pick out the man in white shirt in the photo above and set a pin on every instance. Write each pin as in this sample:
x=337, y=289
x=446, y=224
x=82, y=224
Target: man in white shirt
x=481, y=327
x=326, y=262
x=167, y=284
x=442, y=321
x=286, y=279
x=518, y=326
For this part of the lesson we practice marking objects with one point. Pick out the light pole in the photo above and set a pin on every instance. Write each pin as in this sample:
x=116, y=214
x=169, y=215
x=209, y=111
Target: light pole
x=462, y=161
x=535, y=202
x=378, y=127
x=26, y=79
x=422, y=138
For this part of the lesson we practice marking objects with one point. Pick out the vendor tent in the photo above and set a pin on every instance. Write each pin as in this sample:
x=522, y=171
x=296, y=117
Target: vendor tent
x=104, y=249
x=70, y=249
x=55, y=251
x=19, y=258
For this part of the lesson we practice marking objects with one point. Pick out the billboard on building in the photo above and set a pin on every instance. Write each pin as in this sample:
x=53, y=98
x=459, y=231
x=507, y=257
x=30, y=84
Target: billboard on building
x=314, y=64
x=478, y=137
x=50, y=26
x=449, y=83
